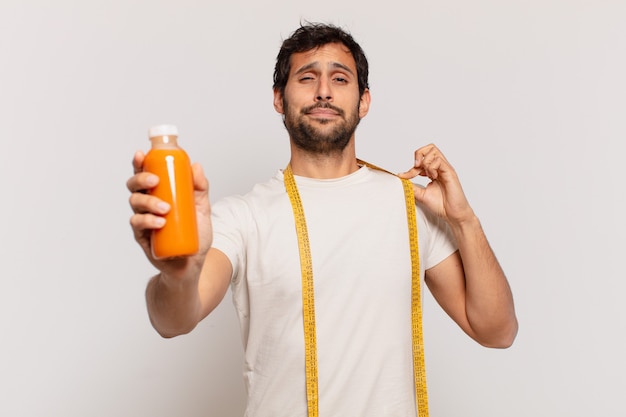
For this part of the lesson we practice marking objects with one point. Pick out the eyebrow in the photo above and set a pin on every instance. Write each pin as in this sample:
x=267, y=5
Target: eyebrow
x=316, y=64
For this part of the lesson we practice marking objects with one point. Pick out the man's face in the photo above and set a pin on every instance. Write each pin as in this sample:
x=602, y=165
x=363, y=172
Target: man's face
x=321, y=104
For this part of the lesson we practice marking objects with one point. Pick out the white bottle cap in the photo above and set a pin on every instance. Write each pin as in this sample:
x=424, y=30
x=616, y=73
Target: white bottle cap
x=163, y=130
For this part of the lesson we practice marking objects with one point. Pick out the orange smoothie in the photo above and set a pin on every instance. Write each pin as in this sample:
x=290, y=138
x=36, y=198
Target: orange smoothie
x=179, y=235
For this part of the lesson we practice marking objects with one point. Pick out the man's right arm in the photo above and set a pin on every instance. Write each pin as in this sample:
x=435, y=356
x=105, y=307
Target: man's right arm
x=186, y=289
x=177, y=304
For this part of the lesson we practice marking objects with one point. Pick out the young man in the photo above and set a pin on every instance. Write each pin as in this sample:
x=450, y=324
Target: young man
x=359, y=248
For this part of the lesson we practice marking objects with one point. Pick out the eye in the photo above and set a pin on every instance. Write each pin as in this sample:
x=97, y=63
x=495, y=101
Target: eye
x=340, y=79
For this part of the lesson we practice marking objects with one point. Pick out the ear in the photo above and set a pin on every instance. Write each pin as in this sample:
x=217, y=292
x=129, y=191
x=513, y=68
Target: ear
x=278, y=102
x=364, y=104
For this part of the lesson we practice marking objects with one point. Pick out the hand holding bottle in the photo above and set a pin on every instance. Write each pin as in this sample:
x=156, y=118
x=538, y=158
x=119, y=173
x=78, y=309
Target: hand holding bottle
x=171, y=205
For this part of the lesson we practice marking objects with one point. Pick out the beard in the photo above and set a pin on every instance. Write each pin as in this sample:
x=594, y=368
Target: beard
x=317, y=140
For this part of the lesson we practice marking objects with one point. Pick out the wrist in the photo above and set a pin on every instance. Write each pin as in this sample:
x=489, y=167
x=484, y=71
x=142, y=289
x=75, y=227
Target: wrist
x=177, y=280
x=466, y=224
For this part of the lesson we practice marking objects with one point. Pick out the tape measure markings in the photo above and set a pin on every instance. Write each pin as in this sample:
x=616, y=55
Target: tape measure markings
x=308, y=297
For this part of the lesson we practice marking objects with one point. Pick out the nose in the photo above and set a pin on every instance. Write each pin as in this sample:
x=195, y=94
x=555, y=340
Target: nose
x=323, y=92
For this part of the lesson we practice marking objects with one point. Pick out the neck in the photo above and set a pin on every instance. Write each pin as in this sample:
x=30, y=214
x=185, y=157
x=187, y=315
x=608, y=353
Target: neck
x=324, y=166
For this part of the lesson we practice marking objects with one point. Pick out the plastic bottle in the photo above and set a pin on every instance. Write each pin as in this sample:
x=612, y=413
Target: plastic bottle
x=179, y=235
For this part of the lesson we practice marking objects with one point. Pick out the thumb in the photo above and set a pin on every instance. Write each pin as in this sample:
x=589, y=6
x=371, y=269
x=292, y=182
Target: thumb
x=420, y=192
x=200, y=182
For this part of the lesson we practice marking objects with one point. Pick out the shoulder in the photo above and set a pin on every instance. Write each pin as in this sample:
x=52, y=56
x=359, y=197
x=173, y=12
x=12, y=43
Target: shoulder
x=262, y=204
x=261, y=192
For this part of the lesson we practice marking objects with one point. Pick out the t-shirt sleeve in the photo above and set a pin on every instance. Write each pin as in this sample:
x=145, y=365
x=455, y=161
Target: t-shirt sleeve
x=435, y=238
x=228, y=217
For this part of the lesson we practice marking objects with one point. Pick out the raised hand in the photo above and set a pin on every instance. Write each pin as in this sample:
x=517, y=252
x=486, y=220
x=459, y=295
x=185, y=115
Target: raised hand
x=149, y=211
x=444, y=195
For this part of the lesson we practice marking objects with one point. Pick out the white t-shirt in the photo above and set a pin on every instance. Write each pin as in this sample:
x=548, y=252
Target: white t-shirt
x=359, y=243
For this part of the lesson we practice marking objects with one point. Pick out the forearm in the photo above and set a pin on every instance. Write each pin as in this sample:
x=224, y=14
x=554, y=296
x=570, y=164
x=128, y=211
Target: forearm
x=489, y=301
x=174, y=305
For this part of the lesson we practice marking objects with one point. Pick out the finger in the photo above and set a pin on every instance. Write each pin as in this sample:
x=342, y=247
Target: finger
x=142, y=224
x=422, y=153
x=433, y=162
x=142, y=182
x=431, y=153
x=432, y=165
x=417, y=168
x=145, y=203
x=412, y=173
x=418, y=162
x=138, y=162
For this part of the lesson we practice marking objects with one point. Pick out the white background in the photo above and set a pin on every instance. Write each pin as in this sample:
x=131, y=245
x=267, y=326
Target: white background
x=527, y=98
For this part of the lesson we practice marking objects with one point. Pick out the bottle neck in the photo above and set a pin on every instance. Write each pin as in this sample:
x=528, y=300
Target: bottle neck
x=165, y=141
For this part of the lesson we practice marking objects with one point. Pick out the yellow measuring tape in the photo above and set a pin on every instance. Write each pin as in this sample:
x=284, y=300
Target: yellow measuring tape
x=308, y=299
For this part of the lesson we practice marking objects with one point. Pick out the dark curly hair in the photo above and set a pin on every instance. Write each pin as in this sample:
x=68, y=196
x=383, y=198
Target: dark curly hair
x=313, y=35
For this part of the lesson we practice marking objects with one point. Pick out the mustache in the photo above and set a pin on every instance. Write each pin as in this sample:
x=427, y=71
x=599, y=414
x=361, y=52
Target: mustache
x=323, y=106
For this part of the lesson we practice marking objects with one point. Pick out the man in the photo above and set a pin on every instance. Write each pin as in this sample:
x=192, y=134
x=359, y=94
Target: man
x=357, y=229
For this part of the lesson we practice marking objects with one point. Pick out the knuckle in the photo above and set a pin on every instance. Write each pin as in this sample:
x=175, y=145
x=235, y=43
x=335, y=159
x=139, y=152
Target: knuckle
x=134, y=221
x=129, y=184
x=134, y=201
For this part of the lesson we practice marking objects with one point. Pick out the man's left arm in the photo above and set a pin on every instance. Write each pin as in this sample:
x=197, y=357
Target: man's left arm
x=469, y=285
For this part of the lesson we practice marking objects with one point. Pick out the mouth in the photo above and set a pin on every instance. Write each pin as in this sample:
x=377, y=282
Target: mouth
x=323, y=114
x=324, y=111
